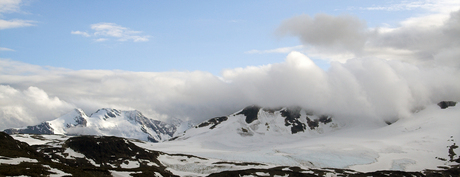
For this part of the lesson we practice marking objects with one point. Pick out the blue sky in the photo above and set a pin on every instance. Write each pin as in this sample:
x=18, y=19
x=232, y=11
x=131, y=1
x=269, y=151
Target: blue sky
x=181, y=35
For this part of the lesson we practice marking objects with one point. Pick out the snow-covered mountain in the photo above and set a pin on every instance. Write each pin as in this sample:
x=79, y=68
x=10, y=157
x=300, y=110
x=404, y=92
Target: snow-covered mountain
x=266, y=123
x=105, y=121
x=297, y=137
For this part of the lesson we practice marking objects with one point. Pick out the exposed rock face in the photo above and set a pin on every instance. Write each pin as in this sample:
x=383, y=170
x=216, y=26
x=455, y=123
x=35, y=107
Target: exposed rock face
x=250, y=112
x=213, y=122
x=110, y=150
x=446, y=104
x=79, y=156
x=13, y=148
x=292, y=116
x=43, y=128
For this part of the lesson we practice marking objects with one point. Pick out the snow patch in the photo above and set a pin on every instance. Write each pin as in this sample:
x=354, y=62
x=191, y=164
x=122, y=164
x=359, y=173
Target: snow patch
x=57, y=172
x=400, y=164
x=130, y=164
x=69, y=153
x=16, y=161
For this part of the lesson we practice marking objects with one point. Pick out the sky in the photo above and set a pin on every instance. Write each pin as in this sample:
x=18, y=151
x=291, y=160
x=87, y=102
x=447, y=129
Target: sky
x=195, y=60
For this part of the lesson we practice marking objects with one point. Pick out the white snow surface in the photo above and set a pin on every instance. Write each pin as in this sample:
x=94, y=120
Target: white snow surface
x=57, y=172
x=15, y=161
x=68, y=120
x=130, y=164
x=183, y=126
x=192, y=166
x=410, y=144
x=71, y=154
x=122, y=173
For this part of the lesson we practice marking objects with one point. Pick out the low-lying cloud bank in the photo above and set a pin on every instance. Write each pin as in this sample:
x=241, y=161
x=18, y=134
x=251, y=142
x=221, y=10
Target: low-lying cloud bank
x=358, y=89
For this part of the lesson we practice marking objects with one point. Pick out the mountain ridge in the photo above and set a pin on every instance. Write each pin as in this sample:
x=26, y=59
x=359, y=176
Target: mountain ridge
x=259, y=121
x=105, y=121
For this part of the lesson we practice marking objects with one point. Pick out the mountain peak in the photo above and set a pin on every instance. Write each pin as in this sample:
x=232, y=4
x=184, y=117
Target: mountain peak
x=106, y=113
x=256, y=121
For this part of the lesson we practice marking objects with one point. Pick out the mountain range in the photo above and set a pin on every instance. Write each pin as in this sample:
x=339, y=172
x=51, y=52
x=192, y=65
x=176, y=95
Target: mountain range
x=105, y=121
x=261, y=141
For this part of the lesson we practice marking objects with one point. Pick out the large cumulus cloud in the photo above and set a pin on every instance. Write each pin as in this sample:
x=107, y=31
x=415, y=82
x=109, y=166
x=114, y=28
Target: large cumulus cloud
x=430, y=40
x=29, y=106
x=332, y=33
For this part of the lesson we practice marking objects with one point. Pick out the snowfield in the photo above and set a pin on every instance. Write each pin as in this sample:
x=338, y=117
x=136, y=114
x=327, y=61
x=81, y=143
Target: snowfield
x=411, y=144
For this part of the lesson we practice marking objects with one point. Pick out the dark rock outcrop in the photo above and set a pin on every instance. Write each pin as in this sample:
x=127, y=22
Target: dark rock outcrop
x=43, y=128
x=10, y=147
x=214, y=122
x=292, y=116
x=251, y=113
x=446, y=104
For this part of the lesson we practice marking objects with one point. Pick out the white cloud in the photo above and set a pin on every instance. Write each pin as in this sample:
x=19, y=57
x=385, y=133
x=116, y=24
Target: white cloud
x=326, y=33
x=278, y=50
x=16, y=23
x=6, y=49
x=101, y=39
x=430, y=5
x=10, y=6
x=105, y=31
x=367, y=89
x=28, y=107
x=428, y=39
x=85, y=34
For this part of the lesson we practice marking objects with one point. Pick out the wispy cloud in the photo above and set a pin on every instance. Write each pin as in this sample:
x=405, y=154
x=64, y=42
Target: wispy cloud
x=105, y=31
x=85, y=34
x=5, y=24
x=236, y=21
x=12, y=6
x=434, y=6
x=101, y=39
x=6, y=49
x=277, y=50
